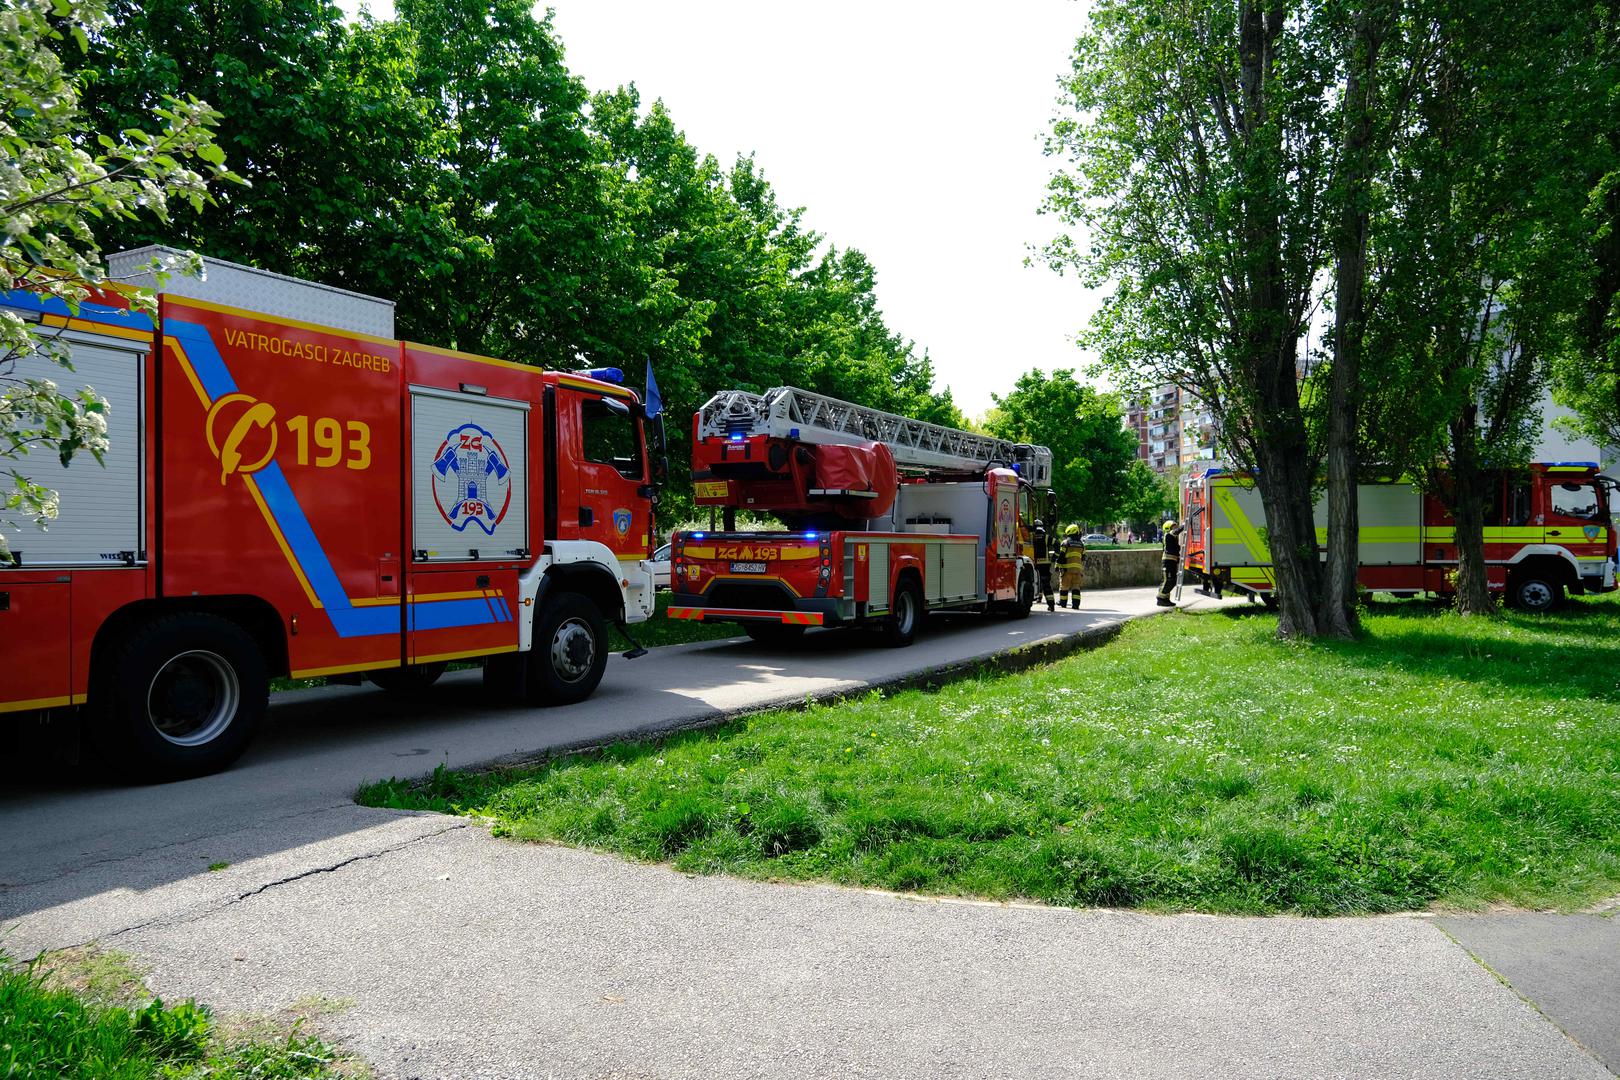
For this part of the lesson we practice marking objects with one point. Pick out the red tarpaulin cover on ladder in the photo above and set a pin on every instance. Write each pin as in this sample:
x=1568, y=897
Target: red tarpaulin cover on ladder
x=859, y=469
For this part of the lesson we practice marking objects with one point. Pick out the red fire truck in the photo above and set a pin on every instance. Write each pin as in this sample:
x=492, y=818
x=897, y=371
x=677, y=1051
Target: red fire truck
x=292, y=491
x=1548, y=532
x=886, y=517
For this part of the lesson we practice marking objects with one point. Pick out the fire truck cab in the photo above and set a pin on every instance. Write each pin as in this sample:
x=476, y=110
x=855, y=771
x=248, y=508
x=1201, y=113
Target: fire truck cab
x=291, y=491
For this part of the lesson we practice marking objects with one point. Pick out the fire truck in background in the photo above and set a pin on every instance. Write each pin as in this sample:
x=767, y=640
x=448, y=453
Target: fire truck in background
x=292, y=491
x=886, y=518
x=1548, y=532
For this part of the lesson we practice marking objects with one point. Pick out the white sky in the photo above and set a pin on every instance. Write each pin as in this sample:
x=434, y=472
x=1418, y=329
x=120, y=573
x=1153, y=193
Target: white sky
x=907, y=129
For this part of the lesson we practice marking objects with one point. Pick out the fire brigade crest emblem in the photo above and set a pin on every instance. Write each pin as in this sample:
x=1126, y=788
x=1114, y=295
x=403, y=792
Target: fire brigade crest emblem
x=1592, y=531
x=621, y=522
x=472, y=479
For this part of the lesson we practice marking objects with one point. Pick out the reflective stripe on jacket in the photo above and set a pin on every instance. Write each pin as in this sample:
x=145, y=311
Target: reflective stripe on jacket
x=1073, y=553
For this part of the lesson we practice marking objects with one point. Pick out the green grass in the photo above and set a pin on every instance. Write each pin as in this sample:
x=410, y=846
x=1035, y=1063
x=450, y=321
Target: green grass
x=1196, y=763
x=85, y=1014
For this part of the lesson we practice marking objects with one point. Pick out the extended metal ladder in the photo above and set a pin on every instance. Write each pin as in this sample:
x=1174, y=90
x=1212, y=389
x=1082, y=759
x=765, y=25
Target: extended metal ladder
x=786, y=412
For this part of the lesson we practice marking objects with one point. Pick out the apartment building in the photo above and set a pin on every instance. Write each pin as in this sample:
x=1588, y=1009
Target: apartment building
x=1172, y=427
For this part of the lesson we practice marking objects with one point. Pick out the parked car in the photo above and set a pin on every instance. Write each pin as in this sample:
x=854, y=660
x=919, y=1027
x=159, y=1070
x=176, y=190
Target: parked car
x=1091, y=539
x=660, y=567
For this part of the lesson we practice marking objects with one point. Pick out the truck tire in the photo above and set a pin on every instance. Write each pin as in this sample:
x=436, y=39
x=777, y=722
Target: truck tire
x=570, y=650
x=905, y=613
x=404, y=681
x=1533, y=589
x=179, y=696
x=773, y=633
x=1026, y=597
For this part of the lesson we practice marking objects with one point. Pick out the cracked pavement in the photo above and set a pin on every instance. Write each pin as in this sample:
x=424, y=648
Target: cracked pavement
x=468, y=956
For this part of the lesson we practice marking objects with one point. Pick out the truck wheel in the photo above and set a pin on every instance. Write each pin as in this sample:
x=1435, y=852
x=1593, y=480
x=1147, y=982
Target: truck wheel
x=773, y=633
x=1026, y=598
x=570, y=650
x=179, y=697
x=1532, y=590
x=900, y=628
x=412, y=679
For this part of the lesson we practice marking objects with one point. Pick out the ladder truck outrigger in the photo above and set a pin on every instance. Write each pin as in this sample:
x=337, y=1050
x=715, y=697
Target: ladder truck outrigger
x=886, y=518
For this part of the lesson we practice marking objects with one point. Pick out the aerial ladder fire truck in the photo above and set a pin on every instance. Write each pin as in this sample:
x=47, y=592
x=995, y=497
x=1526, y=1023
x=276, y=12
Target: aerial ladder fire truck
x=885, y=518
x=290, y=490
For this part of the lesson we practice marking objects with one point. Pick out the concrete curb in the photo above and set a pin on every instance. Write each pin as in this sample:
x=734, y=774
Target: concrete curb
x=1019, y=658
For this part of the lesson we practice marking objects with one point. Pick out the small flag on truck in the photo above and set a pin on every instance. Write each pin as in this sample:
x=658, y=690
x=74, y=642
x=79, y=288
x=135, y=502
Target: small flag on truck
x=655, y=402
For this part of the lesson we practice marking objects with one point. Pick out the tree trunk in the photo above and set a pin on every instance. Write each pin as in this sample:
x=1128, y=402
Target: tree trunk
x=1269, y=337
x=1337, y=615
x=1285, y=483
x=1468, y=515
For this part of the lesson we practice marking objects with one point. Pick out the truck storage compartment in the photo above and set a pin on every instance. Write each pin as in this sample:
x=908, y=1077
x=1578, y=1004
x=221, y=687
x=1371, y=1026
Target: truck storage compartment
x=102, y=504
x=469, y=476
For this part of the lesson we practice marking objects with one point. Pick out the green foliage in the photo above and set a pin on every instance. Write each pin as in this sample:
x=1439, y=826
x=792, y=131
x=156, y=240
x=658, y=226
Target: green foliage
x=1588, y=376
x=450, y=161
x=1200, y=207
x=1092, y=453
x=1146, y=496
x=1438, y=761
x=64, y=181
x=1196, y=150
x=1481, y=253
x=50, y=1032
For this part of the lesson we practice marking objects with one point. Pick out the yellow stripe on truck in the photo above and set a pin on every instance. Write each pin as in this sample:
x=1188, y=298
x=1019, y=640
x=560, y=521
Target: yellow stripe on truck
x=1245, y=530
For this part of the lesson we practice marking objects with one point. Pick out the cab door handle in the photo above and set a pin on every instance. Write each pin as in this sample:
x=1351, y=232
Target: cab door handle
x=1555, y=532
x=586, y=516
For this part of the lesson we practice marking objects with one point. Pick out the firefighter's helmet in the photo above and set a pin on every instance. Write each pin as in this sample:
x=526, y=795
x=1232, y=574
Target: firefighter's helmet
x=1169, y=523
x=1072, y=530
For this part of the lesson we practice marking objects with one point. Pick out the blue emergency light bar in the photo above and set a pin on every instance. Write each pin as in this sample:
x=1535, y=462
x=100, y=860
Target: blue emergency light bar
x=605, y=374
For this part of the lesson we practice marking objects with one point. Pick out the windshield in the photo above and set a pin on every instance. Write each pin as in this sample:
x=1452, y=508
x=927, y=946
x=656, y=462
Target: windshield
x=1577, y=501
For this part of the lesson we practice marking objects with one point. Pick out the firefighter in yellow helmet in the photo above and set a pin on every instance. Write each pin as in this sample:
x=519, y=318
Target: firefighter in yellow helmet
x=1171, y=562
x=1072, y=566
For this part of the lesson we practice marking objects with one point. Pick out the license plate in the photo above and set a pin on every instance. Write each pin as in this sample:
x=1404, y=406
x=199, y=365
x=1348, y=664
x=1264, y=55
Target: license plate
x=747, y=568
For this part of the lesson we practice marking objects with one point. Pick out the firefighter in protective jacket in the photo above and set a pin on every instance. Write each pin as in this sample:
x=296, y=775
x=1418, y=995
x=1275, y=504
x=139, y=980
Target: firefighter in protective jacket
x=1171, y=561
x=1043, y=565
x=1072, y=562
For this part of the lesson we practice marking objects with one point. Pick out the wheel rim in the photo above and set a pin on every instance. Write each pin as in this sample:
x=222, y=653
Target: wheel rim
x=193, y=698
x=905, y=612
x=573, y=650
x=1535, y=594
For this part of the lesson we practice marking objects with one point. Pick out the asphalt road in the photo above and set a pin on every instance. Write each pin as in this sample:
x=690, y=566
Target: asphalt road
x=458, y=955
